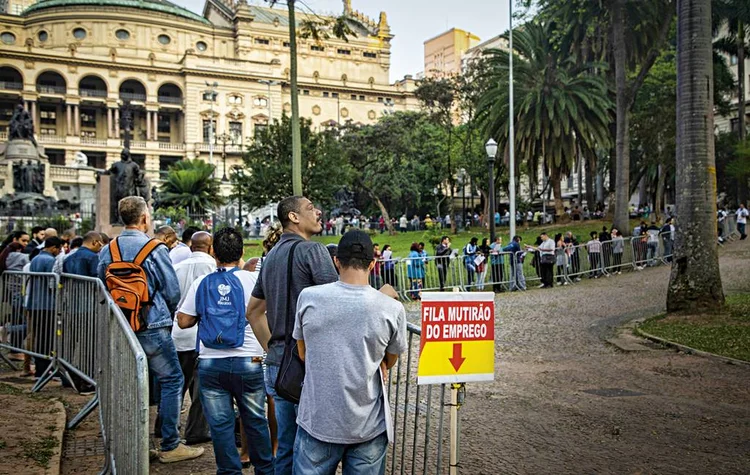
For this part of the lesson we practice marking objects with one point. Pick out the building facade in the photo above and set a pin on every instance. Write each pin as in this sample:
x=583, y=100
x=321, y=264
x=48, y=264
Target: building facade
x=73, y=63
x=443, y=54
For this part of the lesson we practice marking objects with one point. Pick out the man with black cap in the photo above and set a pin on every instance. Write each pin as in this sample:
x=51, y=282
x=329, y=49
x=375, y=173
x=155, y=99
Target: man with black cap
x=342, y=410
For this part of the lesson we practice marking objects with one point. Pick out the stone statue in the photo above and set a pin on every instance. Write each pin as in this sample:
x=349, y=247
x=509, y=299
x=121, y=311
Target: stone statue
x=28, y=177
x=129, y=180
x=37, y=177
x=21, y=126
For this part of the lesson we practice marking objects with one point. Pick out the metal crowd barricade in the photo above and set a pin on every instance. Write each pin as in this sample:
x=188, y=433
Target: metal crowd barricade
x=530, y=266
x=618, y=255
x=418, y=274
x=666, y=247
x=491, y=275
x=122, y=387
x=29, y=317
x=420, y=417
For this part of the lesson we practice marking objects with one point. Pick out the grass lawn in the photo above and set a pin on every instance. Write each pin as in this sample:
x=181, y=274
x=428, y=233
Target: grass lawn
x=401, y=242
x=725, y=334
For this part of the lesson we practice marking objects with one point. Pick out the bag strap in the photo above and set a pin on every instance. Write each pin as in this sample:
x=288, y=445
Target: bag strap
x=290, y=312
x=146, y=250
x=114, y=249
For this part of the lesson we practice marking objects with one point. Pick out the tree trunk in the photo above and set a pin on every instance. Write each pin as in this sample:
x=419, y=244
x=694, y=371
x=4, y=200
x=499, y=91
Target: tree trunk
x=557, y=190
x=741, y=99
x=296, y=137
x=384, y=212
x=695, y=282
x=622, y=143
x=590, y=192
x=659, y=199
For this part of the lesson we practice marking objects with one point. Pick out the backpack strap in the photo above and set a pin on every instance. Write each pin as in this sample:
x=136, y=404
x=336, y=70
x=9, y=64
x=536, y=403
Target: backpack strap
x=146, y=250
x=114, y=249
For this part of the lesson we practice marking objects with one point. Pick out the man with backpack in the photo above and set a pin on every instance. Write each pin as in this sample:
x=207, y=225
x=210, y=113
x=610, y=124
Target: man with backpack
x=230, y=361
x=139, y=276
x=276, y=293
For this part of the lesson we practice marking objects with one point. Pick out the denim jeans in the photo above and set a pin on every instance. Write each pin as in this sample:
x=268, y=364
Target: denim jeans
x=238, y=379
x=286, y=421
x=163, y=364
x=315, y=457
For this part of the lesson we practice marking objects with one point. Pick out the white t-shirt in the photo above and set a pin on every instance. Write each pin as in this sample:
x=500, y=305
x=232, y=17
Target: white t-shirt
x=179, y=253
x=742, y=216
x=197, y=265
x=251, y=347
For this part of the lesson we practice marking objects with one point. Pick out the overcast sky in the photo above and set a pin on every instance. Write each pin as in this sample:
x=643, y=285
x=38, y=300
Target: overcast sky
x=412, y=22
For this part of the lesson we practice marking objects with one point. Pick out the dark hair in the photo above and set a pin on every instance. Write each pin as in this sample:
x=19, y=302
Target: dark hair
x=386, y=247
x=593, y=234
x=375, y=244
x=443, y=238
x=290, y=204
x=421, y=244
x=37, y=229
x=228, y=245
x=166, y=230
x=187, y=234
x=354, y=263
x=517, y=238
x=54, y=241
x=76, y=242
x=485, y=241
x=11, y=237
x=558, y=236
x=414, y=246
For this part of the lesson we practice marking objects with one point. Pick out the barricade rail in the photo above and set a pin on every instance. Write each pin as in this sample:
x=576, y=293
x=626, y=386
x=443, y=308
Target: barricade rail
x=72, y=329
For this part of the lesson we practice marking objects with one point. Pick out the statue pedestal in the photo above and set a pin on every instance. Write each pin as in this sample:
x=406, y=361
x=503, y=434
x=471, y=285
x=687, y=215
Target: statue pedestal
x=103, y=200
x=23, y=151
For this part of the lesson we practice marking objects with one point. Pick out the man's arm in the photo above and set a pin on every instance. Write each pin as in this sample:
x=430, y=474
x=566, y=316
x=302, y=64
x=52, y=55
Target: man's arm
x=301, y=349
x=390, y=360
x=185, y=321
x=320, y=265
x=256, y=317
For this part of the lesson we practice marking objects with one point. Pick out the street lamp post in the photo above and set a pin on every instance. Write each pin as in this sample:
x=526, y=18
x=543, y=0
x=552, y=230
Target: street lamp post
x=491, y=149
x=239, y=175
x=269, y=83
x=224, y=138
x=511, y=132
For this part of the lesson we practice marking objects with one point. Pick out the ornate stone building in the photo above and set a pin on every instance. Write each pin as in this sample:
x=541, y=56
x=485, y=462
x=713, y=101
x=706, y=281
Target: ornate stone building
x=72, y=63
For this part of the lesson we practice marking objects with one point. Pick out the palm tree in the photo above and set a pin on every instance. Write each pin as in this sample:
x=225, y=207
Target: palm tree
x=561, y=106
x=695, y=282
x=190, y=185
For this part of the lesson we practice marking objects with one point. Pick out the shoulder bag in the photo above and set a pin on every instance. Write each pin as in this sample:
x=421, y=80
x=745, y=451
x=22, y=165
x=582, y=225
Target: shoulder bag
x=292, y=369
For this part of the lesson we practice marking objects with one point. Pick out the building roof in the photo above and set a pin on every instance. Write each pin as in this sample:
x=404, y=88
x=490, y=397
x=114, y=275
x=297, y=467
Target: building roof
x=162, y=6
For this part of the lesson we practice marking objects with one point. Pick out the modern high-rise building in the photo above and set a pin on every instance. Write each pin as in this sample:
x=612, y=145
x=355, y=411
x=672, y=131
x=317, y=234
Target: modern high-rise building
x=443, y=54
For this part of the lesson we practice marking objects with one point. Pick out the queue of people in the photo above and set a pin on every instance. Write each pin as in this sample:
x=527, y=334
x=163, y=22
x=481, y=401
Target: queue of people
x=220, y=329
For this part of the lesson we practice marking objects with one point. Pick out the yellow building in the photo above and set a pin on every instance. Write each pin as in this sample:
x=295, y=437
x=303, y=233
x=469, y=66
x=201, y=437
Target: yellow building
x=72, y=63
x=443, y=53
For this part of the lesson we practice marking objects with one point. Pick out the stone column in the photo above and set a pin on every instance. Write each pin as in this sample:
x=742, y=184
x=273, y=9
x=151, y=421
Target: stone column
x=78, y=120
x=33, y=112
x=109, y=123
x=155, y=121
x=148, y=125
x=117, y=123
x=69, y=119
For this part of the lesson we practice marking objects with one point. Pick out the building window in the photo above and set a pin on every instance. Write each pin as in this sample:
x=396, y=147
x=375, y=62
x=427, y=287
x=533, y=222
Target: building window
x=47, y=131
x=368, y=54
x=207, y=130
x=235, y=100
x=43, y=36
x=163, y=125
x=344, y=51
x=734, y=125
x=335, y=95
x=201, y=46
x=164, y=39
x=361, y=98
x=325, y=94
x=732, y=60
x=88, y=118
x=258, y=129
x=354, y=97
x=8, y=38
x=305, y=92
x=286, y=44
x=209, y=97
x=317, y=48
x=260, y=102
x=381, y=99
x=122, y=35
x=261, y=41
x=235, y=131
x=47, y=116
x=79, y=34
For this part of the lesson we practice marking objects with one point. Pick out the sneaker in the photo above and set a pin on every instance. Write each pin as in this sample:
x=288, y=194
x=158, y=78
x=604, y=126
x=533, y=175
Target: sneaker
x=565, y=283
x=180, y=453
x=540, y=286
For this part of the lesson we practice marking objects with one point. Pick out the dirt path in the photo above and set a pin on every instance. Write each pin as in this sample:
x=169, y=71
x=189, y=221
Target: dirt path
x=552, y=408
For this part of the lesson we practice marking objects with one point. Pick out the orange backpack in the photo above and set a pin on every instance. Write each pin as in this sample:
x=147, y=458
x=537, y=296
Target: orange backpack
x=128, y=284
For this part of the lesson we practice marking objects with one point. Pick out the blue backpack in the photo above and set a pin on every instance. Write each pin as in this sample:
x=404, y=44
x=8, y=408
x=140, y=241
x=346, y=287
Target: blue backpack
x=220, y=304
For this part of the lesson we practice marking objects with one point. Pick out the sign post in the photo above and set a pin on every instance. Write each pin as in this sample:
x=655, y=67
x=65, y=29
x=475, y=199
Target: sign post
x=457, y=346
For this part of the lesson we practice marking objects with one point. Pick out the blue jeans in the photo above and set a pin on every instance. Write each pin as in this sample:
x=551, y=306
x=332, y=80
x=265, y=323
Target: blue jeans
x=163, y=363
x=286, y=421
x=315, y=457
x=223, y=380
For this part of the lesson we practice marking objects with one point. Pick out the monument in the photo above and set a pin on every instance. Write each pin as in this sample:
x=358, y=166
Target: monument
x=27, y=189
x=124, y=178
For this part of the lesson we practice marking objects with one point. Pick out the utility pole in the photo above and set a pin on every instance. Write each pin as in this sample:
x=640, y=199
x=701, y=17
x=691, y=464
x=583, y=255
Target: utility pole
x=511, y=134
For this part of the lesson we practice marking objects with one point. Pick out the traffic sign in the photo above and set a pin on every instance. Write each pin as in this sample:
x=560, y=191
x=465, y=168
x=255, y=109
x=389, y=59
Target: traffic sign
x=458, y=337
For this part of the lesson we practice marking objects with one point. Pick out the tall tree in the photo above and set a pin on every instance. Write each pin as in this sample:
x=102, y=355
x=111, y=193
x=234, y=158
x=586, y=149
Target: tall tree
x=559, y=104
x=190, y=185
x=695, y=282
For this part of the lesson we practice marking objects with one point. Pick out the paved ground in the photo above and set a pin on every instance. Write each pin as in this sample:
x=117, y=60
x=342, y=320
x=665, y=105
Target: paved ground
x=686, y=414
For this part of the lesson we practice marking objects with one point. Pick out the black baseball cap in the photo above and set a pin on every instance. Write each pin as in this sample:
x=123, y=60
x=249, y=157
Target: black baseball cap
x=355, y=244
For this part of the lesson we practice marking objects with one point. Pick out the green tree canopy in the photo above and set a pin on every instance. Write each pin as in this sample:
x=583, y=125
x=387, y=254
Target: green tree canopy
x=190, y=185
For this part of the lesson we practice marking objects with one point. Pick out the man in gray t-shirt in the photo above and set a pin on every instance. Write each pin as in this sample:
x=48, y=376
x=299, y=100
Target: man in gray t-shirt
x=345, y=332
x=267, y=311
